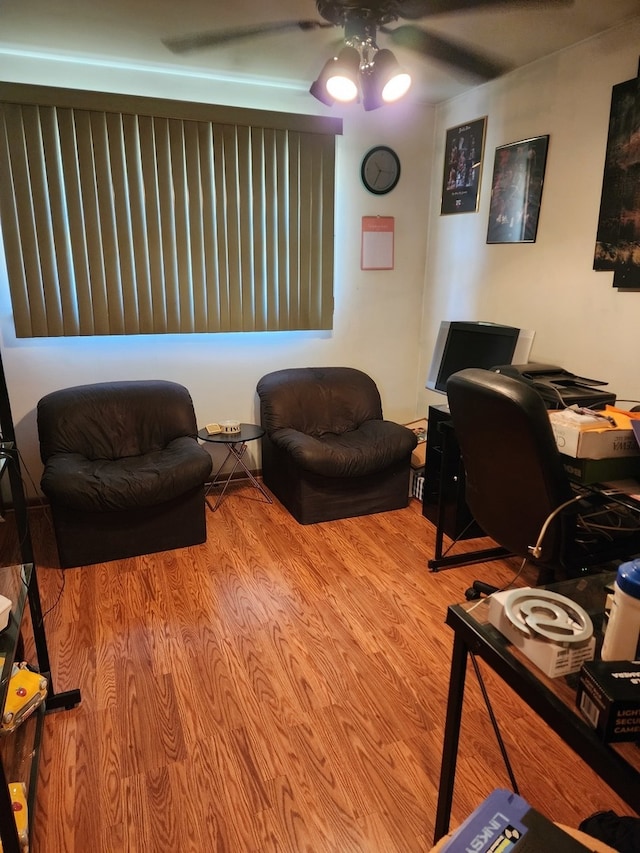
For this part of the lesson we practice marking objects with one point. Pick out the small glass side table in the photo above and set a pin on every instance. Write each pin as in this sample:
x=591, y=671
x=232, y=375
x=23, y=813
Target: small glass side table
x=236, y=443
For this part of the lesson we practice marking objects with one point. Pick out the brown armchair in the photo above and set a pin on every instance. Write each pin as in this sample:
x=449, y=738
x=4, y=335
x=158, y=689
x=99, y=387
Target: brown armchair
x=327, y=452
x=123, y=470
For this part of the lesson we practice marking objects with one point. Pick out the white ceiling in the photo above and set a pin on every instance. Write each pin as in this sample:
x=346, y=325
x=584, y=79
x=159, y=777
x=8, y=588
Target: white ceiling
x=132, y=31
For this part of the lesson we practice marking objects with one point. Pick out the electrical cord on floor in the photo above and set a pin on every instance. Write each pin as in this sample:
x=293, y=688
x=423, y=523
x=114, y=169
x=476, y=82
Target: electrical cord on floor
x=524, y=562
x=57, y=601
x=494, y=724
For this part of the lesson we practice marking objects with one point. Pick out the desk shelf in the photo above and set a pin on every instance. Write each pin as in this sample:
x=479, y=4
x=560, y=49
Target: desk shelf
x=19, y=750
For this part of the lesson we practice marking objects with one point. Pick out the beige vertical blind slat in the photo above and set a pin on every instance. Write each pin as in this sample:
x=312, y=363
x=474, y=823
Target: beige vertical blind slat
x=259, y=280
x=195, y=246
x=90, y=207
x=140, y=293
x=293, y=284
x=249, y=239
x=210, y=259
x=222, y=143
x=119, y=223
x=167, y=224
x=77, y=295
x=151, y=190
x=60, y=287
x=282, y=306
x=112, y=251
x=270, y=292
x=11, y=230
x=26, y=160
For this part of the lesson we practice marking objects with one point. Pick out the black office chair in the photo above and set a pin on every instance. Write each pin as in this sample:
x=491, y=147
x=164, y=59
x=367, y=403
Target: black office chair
x=516, y=481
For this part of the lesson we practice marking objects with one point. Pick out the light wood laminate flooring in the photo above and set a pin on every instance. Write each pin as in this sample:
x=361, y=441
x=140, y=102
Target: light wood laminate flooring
x=279, y=689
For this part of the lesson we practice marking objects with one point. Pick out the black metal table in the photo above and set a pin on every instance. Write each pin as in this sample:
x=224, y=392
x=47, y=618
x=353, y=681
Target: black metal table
x=553, y=699
x=236, y=444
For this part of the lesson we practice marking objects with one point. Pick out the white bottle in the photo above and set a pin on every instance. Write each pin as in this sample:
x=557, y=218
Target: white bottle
x=623, y=629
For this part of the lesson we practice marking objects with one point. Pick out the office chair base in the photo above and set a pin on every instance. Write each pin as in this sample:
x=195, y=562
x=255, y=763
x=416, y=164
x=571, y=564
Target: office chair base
x=483, y=556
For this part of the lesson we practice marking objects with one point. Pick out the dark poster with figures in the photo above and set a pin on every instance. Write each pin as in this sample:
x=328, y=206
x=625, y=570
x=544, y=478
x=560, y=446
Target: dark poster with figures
x=462, y=167
x=516, y=191
x=618, y=235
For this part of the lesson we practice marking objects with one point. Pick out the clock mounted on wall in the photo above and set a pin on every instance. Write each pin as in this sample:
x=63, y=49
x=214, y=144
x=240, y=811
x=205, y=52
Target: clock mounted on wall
x=380, y=170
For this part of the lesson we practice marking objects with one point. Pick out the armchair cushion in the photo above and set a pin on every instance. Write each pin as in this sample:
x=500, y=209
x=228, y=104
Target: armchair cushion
x=370, y=447
x=103, y=485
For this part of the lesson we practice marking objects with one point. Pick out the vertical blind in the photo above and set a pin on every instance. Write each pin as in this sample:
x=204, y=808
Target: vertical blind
x=134, y=216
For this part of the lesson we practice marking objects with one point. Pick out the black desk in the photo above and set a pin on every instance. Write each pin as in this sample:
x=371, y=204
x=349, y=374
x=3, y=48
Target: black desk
x=553, y=699
x=443, y=501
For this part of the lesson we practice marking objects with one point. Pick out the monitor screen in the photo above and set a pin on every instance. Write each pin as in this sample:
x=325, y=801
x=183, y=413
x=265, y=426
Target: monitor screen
x=474, y=343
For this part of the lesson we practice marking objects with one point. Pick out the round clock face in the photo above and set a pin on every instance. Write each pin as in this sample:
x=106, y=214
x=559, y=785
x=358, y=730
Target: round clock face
x=380, y=170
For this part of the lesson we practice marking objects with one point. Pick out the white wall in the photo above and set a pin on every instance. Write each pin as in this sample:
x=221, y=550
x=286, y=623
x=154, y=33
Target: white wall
x=386, y=322
x=377, y=314
x=581, y=321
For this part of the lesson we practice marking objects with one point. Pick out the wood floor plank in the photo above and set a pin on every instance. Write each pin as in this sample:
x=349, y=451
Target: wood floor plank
x=278, y=689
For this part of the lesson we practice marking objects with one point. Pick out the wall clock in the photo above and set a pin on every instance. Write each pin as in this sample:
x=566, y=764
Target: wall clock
x=380, y=170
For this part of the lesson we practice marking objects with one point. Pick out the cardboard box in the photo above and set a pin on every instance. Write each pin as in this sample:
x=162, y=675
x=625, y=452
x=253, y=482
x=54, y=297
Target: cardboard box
x=419, y=454
x=601, y=470
x=5, y=611
x=608, y=697
x=506, y=822
x=588, y=442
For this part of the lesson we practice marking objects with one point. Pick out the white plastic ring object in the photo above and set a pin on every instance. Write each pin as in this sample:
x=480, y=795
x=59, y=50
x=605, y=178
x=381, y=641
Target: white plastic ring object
x=230, y=427
x=547, y=615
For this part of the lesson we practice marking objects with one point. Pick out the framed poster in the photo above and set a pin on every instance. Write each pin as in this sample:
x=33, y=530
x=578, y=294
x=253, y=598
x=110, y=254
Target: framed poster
x=464, y=146
x=618, y=235
x=516, y=191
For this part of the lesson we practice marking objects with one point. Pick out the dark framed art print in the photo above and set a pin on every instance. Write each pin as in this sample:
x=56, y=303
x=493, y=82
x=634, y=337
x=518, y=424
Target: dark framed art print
x=464, y=146
x=516, y=191
x=618, y=235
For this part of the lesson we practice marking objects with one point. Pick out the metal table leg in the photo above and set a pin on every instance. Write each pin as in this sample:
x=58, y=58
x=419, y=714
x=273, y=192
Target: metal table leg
x=236, y=452
x=451, y=737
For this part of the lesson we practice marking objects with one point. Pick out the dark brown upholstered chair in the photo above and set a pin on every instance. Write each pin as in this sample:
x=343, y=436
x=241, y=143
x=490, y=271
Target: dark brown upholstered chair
x=327, y=452
x=123, y=470
x=515, y=480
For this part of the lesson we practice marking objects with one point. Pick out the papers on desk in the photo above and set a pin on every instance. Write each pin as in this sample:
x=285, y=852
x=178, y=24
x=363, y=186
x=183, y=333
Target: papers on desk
x=629, y=487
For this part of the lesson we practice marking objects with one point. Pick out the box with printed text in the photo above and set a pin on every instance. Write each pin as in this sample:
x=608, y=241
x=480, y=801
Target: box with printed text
x=588, y=471
x=589, y=442
x=608, y=696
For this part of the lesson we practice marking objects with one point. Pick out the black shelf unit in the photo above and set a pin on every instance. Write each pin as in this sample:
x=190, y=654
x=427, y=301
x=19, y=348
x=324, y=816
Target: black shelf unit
x=19, y=750
x=443, y=499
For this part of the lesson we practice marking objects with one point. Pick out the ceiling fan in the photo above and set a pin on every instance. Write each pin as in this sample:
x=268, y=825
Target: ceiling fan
x=362, y=21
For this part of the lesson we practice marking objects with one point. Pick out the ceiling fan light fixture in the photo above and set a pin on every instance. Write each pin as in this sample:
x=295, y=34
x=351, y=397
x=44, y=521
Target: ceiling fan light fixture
x=319, y=86
x=390, y=80
x=343, y=76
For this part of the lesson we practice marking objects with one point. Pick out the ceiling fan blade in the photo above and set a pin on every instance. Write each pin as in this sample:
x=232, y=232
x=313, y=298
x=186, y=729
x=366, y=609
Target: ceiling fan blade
x=196, y=41
x=413, y=10
x=448, y=52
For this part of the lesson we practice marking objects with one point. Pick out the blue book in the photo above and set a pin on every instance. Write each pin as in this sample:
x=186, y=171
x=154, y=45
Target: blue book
x=505, y=823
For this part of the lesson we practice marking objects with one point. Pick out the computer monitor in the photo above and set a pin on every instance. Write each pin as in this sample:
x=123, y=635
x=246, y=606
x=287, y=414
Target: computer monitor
x=474, y=343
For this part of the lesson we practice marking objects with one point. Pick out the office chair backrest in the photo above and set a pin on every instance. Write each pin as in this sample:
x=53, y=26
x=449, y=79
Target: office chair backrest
x=514, y=472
